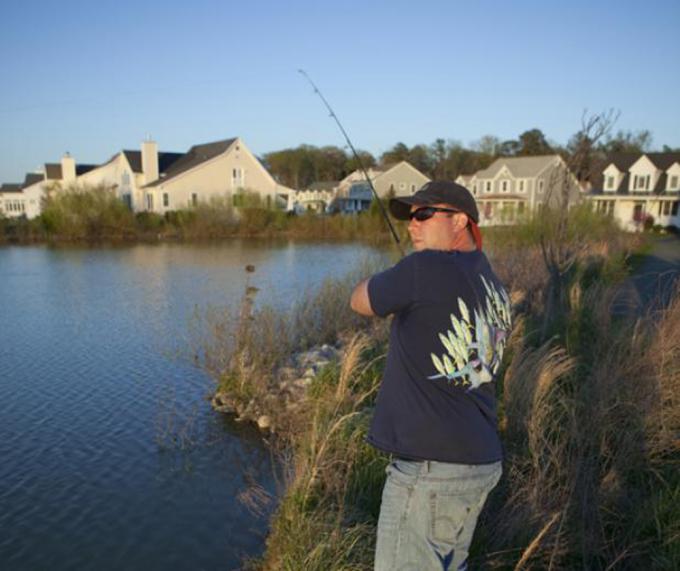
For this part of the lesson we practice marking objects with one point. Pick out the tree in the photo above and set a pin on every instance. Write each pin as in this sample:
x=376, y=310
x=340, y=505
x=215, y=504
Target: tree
x=419, y=157
x=628, y=142
x=397, y=153
x=533, y=142
x=351, y=164
x=559, y=249
x=487, y=145
x=439, y=152
x=508, y=148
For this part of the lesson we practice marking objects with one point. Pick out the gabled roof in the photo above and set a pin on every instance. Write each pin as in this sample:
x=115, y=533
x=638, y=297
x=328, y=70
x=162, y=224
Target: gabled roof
x=623, y=162
x=10, y=187
x=32, y=178
x=195, y=156
x=82, y=169
x=519, y=167
x=376, y=172
x=165, y=160
x=53, y=170
x=663, y=161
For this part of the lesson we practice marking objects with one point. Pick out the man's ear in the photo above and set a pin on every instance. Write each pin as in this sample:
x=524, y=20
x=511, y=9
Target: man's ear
x=459, y=221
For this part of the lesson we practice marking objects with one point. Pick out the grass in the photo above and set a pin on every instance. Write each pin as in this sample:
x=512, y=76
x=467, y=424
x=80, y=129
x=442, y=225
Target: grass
x=590, y=419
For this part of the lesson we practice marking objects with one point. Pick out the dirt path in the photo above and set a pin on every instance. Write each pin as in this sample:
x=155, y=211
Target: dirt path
x=654, y=281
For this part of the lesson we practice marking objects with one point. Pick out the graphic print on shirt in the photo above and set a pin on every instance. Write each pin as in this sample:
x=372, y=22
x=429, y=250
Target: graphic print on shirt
x=471, y=360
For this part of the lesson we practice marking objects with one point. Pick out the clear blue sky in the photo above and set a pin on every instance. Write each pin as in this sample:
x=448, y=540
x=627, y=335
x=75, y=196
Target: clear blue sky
x=94, y=77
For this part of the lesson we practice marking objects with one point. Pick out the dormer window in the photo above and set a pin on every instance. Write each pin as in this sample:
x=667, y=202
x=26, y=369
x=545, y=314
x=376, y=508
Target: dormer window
x=610, y=183
x=673, y=183
x=641, y=182
x=504, y=186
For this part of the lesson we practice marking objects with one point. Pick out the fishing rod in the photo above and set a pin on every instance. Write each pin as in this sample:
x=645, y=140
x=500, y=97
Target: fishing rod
x=357, y=158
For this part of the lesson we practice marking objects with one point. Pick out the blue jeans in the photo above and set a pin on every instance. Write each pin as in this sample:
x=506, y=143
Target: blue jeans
x=428, y=514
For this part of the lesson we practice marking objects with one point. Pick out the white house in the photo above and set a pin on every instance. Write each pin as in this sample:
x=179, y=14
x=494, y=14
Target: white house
x=315, y=198
x=12, y=202
x=153, y=181
x=637, y=187
x=512, y=187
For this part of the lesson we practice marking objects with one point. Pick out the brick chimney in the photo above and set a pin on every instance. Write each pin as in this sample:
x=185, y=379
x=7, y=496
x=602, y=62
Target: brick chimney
x=150, y=161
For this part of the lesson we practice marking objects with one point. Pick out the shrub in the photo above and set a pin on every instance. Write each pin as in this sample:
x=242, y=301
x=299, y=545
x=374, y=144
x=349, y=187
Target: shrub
x=92, y=213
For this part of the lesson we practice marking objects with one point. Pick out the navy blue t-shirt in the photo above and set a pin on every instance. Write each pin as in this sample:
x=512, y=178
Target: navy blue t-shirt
x=451, y=323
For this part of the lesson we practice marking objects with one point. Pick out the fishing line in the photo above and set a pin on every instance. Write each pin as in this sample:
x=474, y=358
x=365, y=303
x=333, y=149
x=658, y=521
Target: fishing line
x=356, y=157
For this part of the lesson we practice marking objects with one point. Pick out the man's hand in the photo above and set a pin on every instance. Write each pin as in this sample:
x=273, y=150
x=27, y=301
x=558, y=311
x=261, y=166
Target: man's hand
x=360, y=301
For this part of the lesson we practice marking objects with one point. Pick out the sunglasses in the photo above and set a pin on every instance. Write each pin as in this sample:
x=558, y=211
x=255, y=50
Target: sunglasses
x=427, y=212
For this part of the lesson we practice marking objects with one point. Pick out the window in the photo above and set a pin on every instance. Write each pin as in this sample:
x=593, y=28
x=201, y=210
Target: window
x=402, y=186
x=474, y=189
x=237, y=177
x=127, y=200
x=610, y=183
x=521, y=186
x=194, y=199
x=674, y=183
x=166, y=200
x=125, y=178
x=674, y=209
x=488, y=186
x=505, y=186
x=413, y=189
x=641, y=182
x=540, y=185
x=149, y=201
x=665, y=208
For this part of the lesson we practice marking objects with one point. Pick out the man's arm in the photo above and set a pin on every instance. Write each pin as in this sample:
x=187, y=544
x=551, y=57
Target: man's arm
x=360, y=301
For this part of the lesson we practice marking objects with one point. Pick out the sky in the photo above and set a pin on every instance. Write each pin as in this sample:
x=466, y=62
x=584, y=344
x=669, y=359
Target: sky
x=92, y=78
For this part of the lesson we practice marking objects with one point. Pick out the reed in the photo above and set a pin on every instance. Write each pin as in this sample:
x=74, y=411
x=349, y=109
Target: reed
x=589, y=418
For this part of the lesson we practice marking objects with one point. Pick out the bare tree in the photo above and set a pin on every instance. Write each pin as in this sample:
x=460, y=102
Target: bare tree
x=560, y=249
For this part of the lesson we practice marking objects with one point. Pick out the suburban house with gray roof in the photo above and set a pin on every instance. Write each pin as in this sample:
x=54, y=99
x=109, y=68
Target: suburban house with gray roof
x=153, y=181
x=512, y=187
x=25, y=199
x=12, y=203
x=354, y=193
x=634, y=187
x=219, y=170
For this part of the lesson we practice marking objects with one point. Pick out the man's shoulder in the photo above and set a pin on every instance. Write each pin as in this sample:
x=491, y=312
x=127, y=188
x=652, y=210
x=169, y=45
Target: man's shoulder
x=451, y=257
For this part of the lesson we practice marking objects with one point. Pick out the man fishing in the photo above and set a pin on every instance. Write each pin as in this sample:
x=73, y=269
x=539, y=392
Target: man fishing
x=435, y=413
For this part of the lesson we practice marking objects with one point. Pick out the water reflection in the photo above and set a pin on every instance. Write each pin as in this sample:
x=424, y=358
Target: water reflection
x=110, y=455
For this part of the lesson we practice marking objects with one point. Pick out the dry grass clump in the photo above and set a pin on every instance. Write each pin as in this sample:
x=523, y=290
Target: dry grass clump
x=593, y=445
x=246, y=348
x=327, y=517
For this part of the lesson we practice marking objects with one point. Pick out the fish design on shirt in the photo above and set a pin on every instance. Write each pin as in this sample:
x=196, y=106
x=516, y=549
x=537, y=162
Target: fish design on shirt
x=475, y=343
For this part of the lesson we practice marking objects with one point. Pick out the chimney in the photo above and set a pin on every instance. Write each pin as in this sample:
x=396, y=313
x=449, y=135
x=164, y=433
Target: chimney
x=68, y=169
x=149, y=161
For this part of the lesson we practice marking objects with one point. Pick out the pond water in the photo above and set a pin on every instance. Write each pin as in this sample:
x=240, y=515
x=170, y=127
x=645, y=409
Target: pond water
x=110, y=455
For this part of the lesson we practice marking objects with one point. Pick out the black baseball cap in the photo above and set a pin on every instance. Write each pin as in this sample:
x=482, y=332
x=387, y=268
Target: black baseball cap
x=435, y=192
